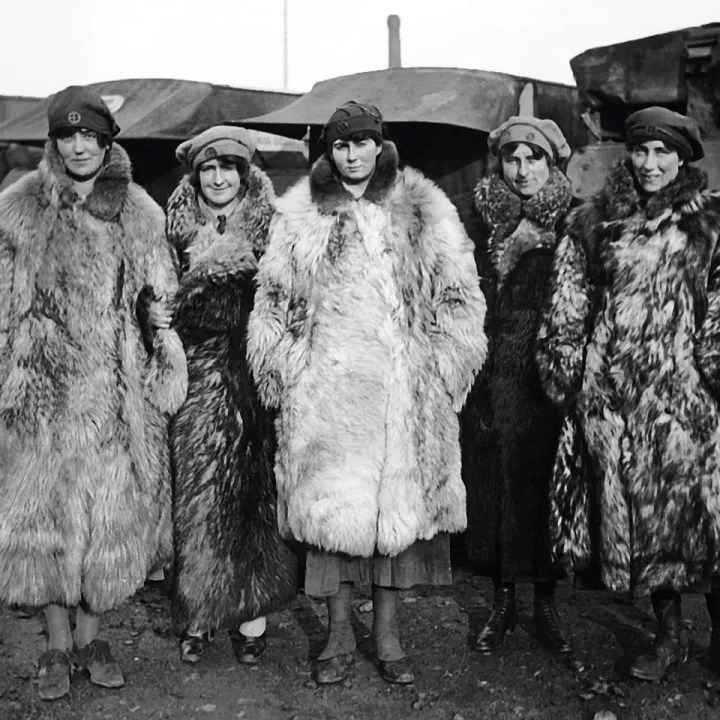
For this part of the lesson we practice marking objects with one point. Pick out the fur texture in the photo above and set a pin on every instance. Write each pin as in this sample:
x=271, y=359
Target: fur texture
x=84, y=466
x=367, y=333
x=230, y=563
x=629, y=348
x=509, y=427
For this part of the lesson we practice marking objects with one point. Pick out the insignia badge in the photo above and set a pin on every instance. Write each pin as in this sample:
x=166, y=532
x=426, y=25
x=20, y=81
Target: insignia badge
x=531, y=135
x=343, y=126
x=211, y=153
x=74, y=117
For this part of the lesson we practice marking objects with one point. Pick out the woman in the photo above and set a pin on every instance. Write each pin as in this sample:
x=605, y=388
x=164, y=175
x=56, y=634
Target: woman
x=630, y=348
x=84, y=463
x=366, y=334
x=510, y=429
x=231, y=565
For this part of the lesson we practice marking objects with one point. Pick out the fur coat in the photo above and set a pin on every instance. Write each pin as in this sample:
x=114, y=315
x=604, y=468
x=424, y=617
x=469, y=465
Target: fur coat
x=509, y=428
x=84, y=464
x=630, y=347
x=230, y=563
x=367, y=333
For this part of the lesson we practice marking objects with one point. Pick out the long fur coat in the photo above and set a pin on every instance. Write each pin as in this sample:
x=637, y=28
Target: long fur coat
x=84, y=464
x=230, y=562
x=630, y=348
x=367, y=333
x=509, y=428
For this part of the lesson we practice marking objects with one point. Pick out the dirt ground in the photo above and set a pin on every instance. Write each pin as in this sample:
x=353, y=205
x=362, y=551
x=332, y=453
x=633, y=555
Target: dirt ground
x=452, y=682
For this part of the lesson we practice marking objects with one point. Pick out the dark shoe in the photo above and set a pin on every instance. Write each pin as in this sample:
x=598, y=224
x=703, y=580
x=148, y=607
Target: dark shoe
x=248, y=650
x=671, y=645
x=191, y=648
x=333, y=670
x=54, y=671
x=396, y=672
x=96, y=658
x=549, y=628
x=503, y=619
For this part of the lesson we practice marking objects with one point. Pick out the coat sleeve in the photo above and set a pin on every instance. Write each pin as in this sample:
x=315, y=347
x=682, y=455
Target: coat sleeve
x=707, y=341
x=166, y=381
x=458, y=331
x=562, y=335
x=269, y=335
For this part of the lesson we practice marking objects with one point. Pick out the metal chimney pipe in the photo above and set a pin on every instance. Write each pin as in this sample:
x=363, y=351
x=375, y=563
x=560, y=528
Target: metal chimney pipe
x=394, y=55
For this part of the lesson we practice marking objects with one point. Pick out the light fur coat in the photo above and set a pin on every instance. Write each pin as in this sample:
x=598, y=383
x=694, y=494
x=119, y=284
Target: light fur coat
x=367, y=333
x=630, y=348
x=84, y=464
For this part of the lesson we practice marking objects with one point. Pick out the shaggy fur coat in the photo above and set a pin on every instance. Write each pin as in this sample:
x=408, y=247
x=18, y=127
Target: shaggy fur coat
x=85, y=485
x=630, y=347
x=509, y=428
x=367, y=333
x=230, y=563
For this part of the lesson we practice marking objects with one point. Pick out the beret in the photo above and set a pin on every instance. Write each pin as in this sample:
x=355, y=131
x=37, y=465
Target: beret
x=79, y=107
x=350, y=118
x=672, y=128
x=544, y=134
x=216, y=141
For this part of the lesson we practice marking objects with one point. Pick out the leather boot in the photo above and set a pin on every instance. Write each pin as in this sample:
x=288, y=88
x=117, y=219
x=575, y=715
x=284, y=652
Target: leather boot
x=549, y=627
x=713, y=605
x=503, y=619
x=671, y=644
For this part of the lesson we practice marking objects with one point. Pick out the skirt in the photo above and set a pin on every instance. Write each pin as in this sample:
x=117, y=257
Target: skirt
x=425, y=562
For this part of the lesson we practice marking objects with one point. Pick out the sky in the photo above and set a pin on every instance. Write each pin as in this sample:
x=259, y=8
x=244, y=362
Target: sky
x=49, y=44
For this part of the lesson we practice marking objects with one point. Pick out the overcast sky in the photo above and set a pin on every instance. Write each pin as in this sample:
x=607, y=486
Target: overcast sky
x=49, y=44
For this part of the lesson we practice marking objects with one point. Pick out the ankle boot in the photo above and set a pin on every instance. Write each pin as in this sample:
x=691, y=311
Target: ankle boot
x=671, y=644
x=549, y=627
x=713, y=605
x=503, y=619
x=335, y=661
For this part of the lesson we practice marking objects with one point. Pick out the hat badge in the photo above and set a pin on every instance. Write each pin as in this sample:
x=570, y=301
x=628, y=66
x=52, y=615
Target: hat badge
x=530, y=135
x=211, y=153
x=343, y=126
x=74, y=117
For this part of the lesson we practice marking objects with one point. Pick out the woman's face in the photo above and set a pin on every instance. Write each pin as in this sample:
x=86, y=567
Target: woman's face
x=655, y=165
x=525, y=170
x=219, y=182
x=81, y=151
x=355, y=159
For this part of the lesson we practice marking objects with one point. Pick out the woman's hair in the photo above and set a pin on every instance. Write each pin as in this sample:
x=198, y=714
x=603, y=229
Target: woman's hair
x=537, y=153
x=240, y=164
x=681, y=153
x=103, y=141
x=363, y=135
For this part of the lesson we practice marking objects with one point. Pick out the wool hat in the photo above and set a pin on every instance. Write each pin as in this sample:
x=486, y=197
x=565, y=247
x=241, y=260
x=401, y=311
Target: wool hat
x=216, y=141
x=353, y=117
x=544, y=134
x=79, y=107
x=672, y=128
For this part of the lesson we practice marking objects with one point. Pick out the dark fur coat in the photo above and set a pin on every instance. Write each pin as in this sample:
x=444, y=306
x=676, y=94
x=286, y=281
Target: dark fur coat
x=509, y=428
x=84, y=463
x=630, y=348
x=367, y=333
x=230, y=563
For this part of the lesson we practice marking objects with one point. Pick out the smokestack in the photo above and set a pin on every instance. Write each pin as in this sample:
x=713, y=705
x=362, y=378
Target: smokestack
x=394, y=56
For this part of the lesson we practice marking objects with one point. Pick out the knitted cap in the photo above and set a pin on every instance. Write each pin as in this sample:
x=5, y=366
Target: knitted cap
x=214, y=142
x=659, y=123
x=350, y=118
x=544, y=134
x=78, y=107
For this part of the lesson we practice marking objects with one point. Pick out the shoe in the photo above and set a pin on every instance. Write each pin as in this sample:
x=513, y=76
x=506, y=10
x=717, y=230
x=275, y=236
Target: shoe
x=248, y=650
x=396, y=672
x=333, y=670
x=503, y=619
x=54, y=671
x=191, y=648
x=96, y=658
x=549, y=627
x=671, y=644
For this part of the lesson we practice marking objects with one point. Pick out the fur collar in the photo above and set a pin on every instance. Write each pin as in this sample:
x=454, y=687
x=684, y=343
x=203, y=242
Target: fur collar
x=109, y=193
x=328, y=192
x=248, y=222
x=518, y=226
x=619, y=198
x=499, y=205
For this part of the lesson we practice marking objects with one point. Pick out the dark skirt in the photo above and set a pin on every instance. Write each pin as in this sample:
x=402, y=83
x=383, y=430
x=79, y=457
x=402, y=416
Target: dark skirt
x=426, y=562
